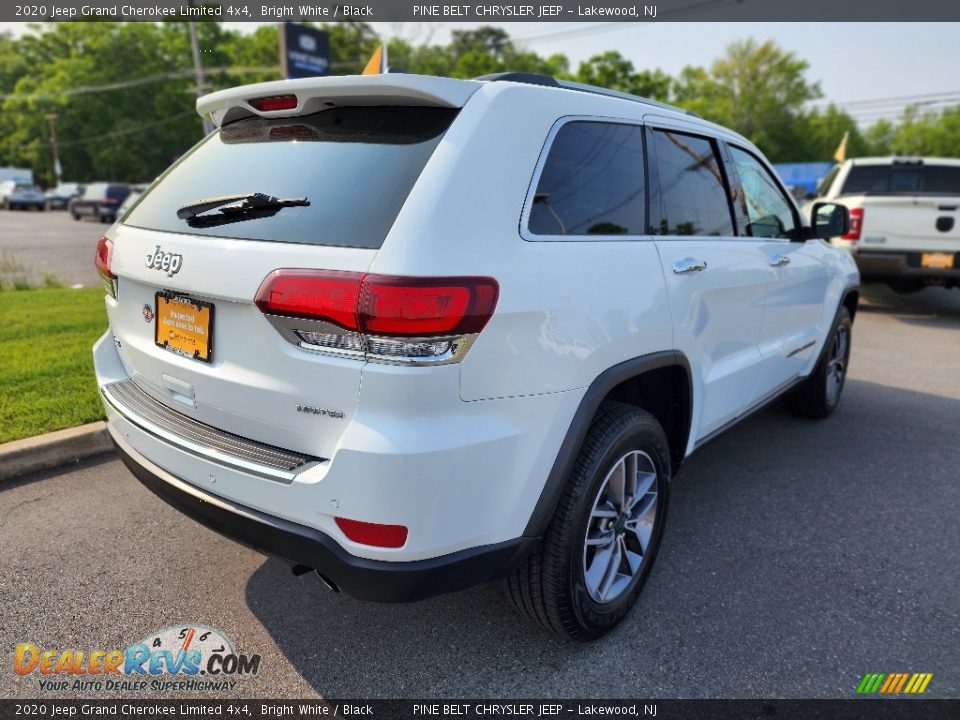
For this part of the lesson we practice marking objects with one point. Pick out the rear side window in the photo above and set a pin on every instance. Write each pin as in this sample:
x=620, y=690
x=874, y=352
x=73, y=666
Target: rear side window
x=592, y=182
x=903, y=179
x=693, y=194
x=354, y=165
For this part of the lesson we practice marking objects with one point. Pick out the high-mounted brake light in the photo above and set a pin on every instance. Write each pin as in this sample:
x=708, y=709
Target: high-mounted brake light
x=856, y=225
x=273, y=103
x=101, y=260
x=401, y=319
x=367, y=533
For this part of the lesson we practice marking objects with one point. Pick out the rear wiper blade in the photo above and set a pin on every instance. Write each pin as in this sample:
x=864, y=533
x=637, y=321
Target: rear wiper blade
x=234, y=208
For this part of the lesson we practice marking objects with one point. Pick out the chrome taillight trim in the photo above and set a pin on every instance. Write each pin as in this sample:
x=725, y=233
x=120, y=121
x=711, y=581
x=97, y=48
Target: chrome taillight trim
x=293, y=330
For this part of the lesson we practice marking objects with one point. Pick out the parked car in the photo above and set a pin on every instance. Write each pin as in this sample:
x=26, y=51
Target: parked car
x=15, y=195
x=905, y=219
x=468, y=335
x=129, y=203
x=100, y=200
x=59, y=197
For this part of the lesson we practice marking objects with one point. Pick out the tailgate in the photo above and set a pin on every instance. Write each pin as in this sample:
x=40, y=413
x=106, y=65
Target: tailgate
x=911, y=223
x=254, y=381
x=319, y=191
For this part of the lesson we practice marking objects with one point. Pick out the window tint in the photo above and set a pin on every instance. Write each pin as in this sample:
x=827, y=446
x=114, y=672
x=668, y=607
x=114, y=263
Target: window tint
x=592, y=182
x=769, y=213
x=941, y=180
x=355, y=165
x=693, y=196
x=903, y=179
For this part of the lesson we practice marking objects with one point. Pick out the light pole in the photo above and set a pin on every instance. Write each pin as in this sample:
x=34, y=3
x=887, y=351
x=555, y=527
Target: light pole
x=198, y=69
x=57, y=170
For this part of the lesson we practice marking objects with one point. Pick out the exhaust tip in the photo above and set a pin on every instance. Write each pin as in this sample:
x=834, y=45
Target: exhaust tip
x=327, y=581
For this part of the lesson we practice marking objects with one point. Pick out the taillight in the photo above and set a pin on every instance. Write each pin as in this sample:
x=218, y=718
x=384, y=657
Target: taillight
x=398, y=319
x=273, y=103
x=317, y=294
x=426, y=307
x=367, y=533
x=101, y=260
x=856, y=225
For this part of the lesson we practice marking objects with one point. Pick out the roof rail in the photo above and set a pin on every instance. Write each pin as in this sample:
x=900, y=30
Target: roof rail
x=520, y=77
x=549, y=81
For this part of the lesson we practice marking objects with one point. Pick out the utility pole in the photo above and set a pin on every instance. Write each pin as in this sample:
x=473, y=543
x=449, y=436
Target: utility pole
x=198, y=70
x=57, y=170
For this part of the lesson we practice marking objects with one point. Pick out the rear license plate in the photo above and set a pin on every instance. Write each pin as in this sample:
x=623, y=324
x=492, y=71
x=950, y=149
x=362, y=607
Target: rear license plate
x=939, y=260
x=184, y=326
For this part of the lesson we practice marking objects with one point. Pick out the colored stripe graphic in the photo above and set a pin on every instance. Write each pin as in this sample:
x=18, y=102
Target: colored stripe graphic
x=870, y=683
x=894, y=683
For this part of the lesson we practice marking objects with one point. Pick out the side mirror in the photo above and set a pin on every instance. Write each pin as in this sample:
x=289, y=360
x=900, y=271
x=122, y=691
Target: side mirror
x=829, y=220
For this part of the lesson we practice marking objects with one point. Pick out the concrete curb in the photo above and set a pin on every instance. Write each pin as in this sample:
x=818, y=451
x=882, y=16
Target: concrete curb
x=53, y=449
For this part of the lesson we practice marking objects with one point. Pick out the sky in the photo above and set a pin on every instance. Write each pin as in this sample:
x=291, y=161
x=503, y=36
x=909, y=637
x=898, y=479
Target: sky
x=860, y=63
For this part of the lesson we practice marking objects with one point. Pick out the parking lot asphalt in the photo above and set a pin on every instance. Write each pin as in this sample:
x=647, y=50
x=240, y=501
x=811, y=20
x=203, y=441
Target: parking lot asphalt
x=50, y=242
x=799, y=555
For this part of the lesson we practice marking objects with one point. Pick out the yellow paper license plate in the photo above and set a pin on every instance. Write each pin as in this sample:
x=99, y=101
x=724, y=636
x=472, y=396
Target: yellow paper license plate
x=184, y=326
x=940, y=260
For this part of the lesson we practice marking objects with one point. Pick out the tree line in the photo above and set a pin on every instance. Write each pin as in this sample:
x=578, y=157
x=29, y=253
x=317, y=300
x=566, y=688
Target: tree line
x=123, y=93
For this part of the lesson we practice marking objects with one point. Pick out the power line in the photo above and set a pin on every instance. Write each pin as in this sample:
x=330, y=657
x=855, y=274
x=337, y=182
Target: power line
x=117, y=133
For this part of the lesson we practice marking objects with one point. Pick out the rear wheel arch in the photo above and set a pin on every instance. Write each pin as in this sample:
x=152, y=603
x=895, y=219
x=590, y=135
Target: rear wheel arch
x=660, y=383
x=851, y=298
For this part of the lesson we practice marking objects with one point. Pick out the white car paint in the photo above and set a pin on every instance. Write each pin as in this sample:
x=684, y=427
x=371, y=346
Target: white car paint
x=460, y=452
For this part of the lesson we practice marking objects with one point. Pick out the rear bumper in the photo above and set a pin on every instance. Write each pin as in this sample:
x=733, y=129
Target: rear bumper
x=886, y=266
x=376, y=580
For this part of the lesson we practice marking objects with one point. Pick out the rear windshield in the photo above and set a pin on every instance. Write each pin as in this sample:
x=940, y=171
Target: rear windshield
x=355, y=166
x=903, y=179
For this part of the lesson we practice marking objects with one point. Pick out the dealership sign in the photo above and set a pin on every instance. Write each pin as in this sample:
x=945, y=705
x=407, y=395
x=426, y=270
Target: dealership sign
x=305, y=52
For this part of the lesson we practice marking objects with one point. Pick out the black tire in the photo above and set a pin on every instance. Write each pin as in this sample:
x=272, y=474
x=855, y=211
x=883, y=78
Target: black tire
x=75, y=216
x=550, y=587
x=819, y=394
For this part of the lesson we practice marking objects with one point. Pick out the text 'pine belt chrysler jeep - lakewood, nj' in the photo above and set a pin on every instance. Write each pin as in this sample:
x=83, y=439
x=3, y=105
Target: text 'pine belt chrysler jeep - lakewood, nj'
x=417, y=333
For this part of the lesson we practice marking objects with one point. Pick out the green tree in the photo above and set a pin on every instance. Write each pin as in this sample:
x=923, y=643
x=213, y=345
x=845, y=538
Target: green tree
x=936, y=134
x=759, y=90
x=611, y=70
x=825, y=130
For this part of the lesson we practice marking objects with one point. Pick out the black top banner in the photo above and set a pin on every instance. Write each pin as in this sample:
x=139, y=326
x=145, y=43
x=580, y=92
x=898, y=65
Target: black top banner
x=503, y=11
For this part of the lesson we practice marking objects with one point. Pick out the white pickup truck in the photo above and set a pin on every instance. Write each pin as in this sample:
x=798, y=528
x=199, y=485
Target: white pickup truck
x=904, y=213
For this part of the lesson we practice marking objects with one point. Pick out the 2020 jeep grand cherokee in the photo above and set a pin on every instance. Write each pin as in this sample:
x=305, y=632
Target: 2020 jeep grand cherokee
x=418, y=333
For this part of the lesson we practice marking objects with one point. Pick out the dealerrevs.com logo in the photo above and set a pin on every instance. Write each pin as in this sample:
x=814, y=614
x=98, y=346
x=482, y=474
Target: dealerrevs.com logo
x=183, y=658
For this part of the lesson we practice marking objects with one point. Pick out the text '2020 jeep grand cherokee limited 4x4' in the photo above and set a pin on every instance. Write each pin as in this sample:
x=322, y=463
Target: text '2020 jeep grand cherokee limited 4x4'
x=418, y=333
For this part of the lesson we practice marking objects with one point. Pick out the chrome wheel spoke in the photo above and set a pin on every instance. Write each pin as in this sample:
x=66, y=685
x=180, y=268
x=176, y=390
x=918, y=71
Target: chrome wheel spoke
x=616, y=484
x=600, y=539
x=604, y=511
x=611, y=570
x=642, y=527
x=620, y=527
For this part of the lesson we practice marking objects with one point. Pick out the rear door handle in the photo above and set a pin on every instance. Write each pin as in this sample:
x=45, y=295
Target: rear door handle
x=779, y=261
x=689, y=265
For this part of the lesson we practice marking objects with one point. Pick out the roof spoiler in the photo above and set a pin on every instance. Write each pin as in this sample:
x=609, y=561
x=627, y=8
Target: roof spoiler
x=310, y=95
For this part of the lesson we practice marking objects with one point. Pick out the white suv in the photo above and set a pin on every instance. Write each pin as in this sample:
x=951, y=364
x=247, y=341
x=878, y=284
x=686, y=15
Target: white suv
x=418, y=333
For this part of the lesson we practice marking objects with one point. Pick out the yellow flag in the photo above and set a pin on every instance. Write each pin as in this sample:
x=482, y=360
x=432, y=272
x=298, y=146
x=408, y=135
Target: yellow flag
x=841, y=154
x=378, y=61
